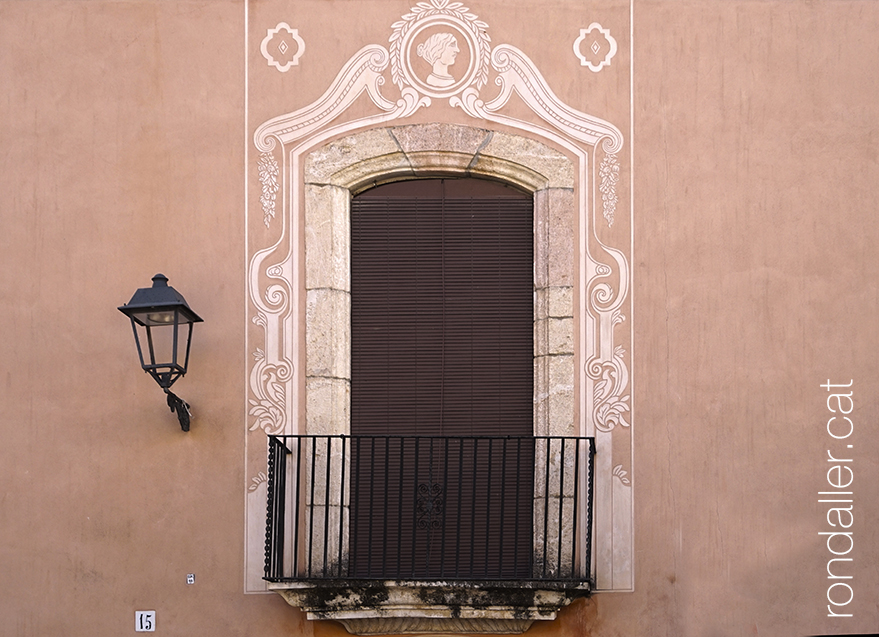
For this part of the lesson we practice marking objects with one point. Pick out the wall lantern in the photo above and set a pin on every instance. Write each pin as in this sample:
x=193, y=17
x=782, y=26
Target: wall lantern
x=156, y=315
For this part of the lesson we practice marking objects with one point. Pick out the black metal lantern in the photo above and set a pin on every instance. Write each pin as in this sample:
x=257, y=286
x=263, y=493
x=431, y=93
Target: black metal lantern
x=156, y=315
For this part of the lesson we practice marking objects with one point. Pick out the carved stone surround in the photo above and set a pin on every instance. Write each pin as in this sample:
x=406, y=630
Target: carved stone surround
x=342, y=168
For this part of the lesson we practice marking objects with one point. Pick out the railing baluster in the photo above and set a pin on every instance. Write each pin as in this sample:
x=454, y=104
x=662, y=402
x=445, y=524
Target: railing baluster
x=311, y=508
x=488, y=502
x=298, y=496
x=399, y=570
x=276, y=469
x=342, y=503
x=590, y=486
x=561, y=507
x=415, y=479
x=355, y=505
x=442, y=562
x=575, y=514
x=281, y=511
x=270, y=510
x=545, y=556
x=516, y=523
x=473, y=501
x=431, y=502
x=458, y=516
x=503, y=501
x=371, y=507
x=329, y=452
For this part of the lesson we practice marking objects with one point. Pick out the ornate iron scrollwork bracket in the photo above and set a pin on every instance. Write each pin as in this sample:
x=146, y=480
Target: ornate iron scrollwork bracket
x=429, y=506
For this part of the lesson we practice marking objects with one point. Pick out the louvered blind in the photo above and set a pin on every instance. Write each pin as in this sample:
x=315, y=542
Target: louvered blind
x=442, y=309
x=441, y=330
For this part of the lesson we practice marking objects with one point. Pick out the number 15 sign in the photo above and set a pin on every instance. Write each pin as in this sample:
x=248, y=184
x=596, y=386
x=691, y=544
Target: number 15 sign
x=144, y=621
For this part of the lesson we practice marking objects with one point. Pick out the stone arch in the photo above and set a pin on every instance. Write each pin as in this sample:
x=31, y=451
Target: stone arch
x=342, y=168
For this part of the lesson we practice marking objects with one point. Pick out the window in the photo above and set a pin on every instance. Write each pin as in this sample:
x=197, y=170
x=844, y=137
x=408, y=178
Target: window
x=441, y=358
x=316, y=567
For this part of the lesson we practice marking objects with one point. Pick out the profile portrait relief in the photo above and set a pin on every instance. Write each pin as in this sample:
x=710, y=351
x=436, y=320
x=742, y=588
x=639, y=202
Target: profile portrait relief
x=440, y=51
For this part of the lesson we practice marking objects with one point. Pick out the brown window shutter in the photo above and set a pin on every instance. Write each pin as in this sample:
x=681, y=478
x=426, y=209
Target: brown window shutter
x=442, y=345
x=442, y=309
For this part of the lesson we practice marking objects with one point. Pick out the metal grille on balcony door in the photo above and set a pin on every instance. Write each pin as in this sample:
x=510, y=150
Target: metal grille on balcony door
x=442, y=345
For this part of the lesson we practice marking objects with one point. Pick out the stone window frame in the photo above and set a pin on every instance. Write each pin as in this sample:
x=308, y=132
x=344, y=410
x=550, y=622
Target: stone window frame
x=345, y=167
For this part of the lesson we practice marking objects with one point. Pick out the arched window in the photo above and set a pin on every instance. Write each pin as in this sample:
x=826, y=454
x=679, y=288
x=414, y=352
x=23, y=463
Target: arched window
x=441, y=360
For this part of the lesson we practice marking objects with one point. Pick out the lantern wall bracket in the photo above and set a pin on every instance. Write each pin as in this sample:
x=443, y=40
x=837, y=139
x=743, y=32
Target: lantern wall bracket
x=175, y=403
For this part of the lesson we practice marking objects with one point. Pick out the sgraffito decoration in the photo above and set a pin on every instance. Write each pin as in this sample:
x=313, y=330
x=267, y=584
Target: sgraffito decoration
x=442, y=31
x=282, y=47
x=268, y=177
x=610, y=404
x=441, y=51
x=609, y=172
x=595, y=47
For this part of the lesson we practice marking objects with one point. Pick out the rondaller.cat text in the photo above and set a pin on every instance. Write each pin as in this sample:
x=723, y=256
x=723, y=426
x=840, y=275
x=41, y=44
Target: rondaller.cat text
x=839, y=499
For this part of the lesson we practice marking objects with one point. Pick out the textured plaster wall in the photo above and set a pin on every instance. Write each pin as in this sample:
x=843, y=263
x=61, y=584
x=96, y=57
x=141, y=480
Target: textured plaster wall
x=121, y=152
x=122, y=149
x=756, y=281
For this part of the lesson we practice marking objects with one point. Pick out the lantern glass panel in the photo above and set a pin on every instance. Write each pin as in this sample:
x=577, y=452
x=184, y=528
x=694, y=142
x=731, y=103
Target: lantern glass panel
x=160, y=316
x=160, y=344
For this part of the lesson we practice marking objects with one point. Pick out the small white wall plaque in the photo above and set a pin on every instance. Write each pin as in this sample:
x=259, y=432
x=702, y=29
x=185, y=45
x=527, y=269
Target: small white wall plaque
x=144, y=621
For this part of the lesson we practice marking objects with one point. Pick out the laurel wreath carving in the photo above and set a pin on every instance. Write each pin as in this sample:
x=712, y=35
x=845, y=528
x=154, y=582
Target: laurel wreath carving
x=424, y=10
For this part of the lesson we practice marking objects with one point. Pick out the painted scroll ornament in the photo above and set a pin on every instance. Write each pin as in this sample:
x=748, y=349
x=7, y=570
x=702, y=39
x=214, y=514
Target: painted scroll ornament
x=610, y=405
x=440, y=50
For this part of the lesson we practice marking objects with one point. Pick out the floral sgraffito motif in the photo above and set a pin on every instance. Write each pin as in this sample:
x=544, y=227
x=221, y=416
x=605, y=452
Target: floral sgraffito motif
x=257, y=480
x=282, y=47
x=268, y=177
x=595, y=47
x=267, y=410
x=611, y=379
x=621, y=474
x=609, y=174
x=267, y=416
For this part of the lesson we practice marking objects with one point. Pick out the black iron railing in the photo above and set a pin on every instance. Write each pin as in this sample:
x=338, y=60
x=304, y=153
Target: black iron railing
x=429, y=508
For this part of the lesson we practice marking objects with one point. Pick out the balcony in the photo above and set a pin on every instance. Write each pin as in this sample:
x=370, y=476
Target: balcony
x=393, y=534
